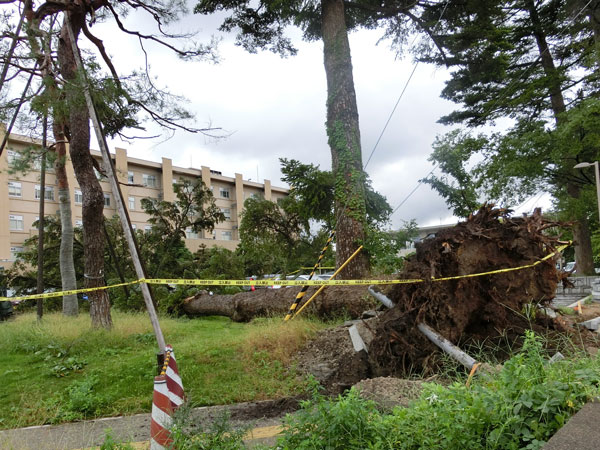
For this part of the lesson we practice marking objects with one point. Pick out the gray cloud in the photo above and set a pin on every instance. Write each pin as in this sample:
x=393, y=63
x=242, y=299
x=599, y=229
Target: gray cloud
x=276, y=108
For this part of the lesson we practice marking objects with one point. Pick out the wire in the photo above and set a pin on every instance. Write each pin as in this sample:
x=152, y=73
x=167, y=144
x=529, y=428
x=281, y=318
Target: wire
x=489, y=109
x=403, y=91
x=414, y=190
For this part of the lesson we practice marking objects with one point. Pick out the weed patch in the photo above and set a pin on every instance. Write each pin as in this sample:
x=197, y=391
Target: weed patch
x=61, y=370
x=521, y=407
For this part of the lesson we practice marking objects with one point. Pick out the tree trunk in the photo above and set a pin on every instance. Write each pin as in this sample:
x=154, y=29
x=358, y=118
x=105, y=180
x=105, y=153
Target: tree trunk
x=333, y=302
x=40, y=256
x=584, y=257
x=581, y=231
x=70, y=306
x=344, y=141
x=593, y=13
x=93, y=198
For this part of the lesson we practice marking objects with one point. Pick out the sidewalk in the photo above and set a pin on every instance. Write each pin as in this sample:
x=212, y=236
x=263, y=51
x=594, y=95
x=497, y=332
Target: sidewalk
x=264, y=418
x=581, y=432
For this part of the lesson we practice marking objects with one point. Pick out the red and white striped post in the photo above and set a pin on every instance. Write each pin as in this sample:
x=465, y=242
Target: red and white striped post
x=160, y=434
x=168, y=396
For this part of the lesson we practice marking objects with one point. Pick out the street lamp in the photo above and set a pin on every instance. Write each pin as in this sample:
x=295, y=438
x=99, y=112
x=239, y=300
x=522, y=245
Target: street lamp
x=595, y=164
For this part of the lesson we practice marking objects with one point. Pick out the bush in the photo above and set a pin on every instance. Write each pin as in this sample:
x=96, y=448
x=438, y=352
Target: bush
x=521, y=407
x=348, y=422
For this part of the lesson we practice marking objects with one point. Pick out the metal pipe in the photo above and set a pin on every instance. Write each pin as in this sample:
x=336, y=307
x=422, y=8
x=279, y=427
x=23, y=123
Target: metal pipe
x=381, y=297
x=447, y=346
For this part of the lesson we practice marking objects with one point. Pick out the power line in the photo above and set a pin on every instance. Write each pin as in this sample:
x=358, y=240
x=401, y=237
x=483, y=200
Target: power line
x=414, y=190
x=403, y=91
x=489, y=109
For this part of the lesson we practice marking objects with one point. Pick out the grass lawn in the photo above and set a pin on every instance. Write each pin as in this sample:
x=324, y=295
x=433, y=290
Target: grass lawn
x=62, y=370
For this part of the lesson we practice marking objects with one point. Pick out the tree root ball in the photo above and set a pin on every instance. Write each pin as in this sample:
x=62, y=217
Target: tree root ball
x=467, y=308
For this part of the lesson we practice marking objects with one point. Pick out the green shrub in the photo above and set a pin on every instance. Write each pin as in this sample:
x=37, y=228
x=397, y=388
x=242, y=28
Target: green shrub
x=348, y=422
x=521, y=407
x=219, y=435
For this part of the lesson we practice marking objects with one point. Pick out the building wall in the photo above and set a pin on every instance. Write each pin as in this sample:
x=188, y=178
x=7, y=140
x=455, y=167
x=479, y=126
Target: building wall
x=139, y=179
x=422, y=233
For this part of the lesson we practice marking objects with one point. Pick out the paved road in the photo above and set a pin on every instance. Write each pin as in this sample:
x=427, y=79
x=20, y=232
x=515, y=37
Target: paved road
x=264, y=419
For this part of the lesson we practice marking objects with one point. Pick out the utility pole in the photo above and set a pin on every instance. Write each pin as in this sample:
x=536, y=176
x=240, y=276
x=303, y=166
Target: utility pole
x=120, y=204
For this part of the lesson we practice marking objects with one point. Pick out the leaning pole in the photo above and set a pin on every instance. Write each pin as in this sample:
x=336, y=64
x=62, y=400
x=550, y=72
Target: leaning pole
x=114, y=184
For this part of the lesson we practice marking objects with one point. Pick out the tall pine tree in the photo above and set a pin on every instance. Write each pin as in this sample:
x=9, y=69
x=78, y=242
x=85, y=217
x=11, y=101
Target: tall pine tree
x=534, y=63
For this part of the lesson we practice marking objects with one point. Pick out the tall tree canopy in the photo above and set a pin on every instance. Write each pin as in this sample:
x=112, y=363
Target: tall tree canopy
x=44, y=54
x=262, y=26
x=535, y=63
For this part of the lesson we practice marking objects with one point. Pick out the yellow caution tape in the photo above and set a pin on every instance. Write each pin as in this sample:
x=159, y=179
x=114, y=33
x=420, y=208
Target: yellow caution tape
x=185, y=282
x=63, y=293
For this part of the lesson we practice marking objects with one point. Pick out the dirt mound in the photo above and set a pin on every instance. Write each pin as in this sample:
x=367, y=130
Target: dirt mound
x=462, y=309
x=389, y=392
x=331, y=359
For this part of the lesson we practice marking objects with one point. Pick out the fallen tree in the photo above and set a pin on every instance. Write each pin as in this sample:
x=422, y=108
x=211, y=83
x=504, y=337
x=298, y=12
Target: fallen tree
x=335, y=301
x=470, y=308
x=459, y=311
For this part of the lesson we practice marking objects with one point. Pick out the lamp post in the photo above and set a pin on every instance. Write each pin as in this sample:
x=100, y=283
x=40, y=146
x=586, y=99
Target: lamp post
x=597, y=170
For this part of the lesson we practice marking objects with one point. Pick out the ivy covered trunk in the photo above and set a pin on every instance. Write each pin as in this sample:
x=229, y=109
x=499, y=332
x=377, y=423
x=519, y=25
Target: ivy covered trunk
x=344, y=141
x=67, y=267
x=93, y=198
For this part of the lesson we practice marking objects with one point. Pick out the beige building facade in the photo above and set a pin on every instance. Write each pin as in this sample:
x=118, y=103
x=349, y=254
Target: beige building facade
x=20, y=194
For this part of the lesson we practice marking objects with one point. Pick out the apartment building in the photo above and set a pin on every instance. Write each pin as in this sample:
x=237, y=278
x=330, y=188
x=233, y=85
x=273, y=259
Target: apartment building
x=20, y=194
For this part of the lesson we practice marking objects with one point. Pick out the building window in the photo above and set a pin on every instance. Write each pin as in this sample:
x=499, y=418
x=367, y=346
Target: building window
x=78, y=196
x=12, y=156
x=147, y=228
x=48, y=195
x=79, y=223
x=106, y=199
x=254, y=195
x=132, y=203
x=149, y=180
x=16, y=223
x=226, y=212
x=190, y=234
x=130, y=177
x=14, y=189
x=15, y=252
x=99, y=175
x=226, y=235
x=224, y=192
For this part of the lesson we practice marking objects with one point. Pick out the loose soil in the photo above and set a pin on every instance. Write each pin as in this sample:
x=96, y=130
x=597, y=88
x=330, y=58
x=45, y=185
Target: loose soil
x=470, y=308
x=389, y=392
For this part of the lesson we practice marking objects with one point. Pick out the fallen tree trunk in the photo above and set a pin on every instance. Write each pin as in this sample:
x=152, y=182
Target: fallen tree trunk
x=334, y=301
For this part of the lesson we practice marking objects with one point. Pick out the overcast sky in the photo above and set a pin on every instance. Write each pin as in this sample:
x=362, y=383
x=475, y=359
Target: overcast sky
x=275, y=108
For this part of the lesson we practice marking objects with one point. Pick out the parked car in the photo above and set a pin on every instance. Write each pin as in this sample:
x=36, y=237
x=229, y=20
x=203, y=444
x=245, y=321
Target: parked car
x=6, y=308
x=324, y=276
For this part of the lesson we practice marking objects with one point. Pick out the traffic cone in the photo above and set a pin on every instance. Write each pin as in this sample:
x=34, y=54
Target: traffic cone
x=252, y=288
